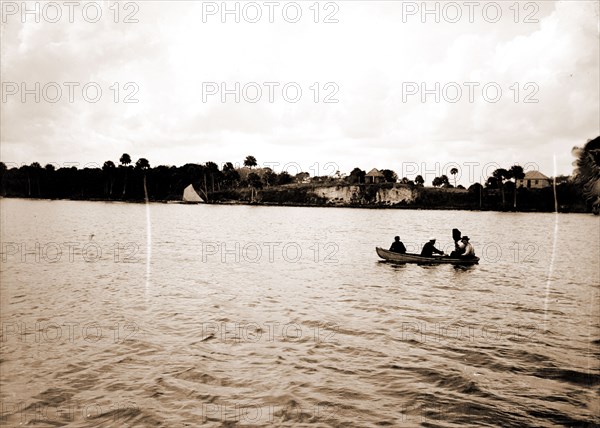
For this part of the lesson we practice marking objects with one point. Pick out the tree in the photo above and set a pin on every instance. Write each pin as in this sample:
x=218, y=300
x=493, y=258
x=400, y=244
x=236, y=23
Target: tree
x=440, y=181
x=211, y=169
x=284, y=178
x=254, y=180
x=301, y=177
x=500, y=175
x=476, y=189
x=255, y=183
x=516, y=172
x=33, y=171
x=269, y=177
x=109, y=168
x=125, y=160
x=587, y=170
x=389, y=175
x=230, y=175
x=419, y=181
x=211, y=166
x=143, y=164
x=3, y=170
x=250, y=161
x=491, y=183
x=357, y=176
x=454, y=171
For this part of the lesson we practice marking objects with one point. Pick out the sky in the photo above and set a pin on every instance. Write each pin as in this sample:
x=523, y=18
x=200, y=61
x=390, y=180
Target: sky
x=416, y=87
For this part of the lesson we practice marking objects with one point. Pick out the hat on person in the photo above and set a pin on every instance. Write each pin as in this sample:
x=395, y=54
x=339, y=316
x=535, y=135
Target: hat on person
x=432, y=238
x=464, y=238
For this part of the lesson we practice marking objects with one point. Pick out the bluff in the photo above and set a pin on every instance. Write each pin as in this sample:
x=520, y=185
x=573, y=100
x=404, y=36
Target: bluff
x=376, y=195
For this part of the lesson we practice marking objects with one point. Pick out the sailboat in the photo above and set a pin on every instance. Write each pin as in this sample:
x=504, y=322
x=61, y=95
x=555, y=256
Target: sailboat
x=190, y=196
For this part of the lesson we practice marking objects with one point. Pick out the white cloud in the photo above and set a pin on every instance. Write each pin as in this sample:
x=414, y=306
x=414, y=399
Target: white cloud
x=369, y=55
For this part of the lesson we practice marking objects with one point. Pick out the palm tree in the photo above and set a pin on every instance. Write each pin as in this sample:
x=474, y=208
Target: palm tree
x=500, y=175
x=230, y=174
x=255, y=183
x=454, y=171
x=516, y=172
x=212, y=169
x=587, y=169
x=125, y=160
x=143, y=164
x=108, y=168
x=250, y=161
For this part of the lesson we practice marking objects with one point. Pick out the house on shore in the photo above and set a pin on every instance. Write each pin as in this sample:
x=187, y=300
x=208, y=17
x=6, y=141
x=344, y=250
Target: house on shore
x=374, y=176
x=534, y=180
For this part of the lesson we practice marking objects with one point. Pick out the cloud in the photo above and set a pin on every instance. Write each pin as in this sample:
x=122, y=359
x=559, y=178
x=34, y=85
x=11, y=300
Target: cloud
x=370, y=55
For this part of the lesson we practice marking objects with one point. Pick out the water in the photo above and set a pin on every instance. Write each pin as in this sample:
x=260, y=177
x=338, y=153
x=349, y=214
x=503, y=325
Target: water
x=174, y=325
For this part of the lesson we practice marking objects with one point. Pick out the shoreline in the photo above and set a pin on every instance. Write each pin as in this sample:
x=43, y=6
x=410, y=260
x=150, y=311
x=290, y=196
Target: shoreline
x=415, y=207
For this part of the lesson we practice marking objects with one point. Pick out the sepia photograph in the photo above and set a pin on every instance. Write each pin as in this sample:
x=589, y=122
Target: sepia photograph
x=310, y=213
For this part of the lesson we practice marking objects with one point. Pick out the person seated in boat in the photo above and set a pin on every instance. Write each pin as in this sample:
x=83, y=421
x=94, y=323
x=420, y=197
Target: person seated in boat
x=459, y=249
x=429, y=249
x=398, y=246
x=469, y=251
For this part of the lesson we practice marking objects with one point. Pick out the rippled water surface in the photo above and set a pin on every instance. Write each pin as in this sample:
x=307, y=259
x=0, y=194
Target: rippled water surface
x=122, y=314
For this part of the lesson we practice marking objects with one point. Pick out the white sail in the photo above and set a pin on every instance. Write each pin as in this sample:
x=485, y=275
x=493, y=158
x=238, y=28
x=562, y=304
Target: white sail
x=190, y=195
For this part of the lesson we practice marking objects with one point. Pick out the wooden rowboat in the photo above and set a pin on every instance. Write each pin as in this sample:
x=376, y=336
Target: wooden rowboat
x=416, y=258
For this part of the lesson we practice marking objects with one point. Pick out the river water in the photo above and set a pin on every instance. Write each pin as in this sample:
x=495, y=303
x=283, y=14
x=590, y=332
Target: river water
x=119, y=314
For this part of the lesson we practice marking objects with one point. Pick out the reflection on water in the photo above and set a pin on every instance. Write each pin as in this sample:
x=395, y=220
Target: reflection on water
x=285, y=316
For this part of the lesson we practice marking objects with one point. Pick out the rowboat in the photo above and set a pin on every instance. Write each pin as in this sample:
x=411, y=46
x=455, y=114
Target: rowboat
x=390, y=256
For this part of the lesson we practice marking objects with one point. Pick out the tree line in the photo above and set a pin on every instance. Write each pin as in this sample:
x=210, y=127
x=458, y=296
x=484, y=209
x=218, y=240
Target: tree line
x=134, y=181
x=137, y=181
